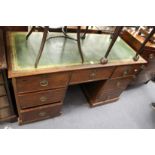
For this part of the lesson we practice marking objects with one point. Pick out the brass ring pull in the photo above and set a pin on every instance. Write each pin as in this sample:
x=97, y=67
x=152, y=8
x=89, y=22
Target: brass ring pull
x=151, y=56
x=42, y=114
x=43, y=99
x=118, y=84
x=135, y=70
x=44, y=83
x=125, y=72
x=93, y=74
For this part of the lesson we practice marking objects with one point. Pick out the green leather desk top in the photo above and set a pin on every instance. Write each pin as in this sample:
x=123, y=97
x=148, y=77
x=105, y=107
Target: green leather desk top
x=60, y=52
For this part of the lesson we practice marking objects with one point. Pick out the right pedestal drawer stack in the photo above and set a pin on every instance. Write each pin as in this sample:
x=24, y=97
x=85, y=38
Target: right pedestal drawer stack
x=109, y=90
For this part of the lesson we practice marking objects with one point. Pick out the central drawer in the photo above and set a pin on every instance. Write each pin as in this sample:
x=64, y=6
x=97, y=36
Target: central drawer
x=41, y=98
x=41, y=82
x=39, y=113
x=88, y=75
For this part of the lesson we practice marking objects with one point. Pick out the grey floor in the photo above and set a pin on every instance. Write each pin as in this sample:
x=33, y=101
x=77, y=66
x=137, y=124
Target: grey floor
x=132, y=110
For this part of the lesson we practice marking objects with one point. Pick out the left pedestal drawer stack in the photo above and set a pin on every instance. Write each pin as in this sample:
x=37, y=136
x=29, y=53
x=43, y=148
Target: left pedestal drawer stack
x=7, y=112
x=41, y=96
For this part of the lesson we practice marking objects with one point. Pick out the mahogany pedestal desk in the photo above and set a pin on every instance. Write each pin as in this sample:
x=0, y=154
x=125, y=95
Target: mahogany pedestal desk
x=135, y=41
x=40, y=91
x=6, y=107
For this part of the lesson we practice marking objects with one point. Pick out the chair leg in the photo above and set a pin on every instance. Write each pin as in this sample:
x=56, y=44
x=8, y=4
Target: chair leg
x=79, y=43
x=118, y=29
x=29, y=33
x=42, y=45
x=84, y=35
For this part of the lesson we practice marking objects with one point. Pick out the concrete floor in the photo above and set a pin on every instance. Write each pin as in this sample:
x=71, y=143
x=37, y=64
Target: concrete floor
x=132, y=110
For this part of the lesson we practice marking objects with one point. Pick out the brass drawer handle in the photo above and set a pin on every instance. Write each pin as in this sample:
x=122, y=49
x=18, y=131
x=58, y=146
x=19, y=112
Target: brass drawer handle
x=118, y=84
x=135, y=70
x=43, y=98
x=151, y=56
x=126, y=72
x=93, y=74
x=42, y=114
x=44, y=83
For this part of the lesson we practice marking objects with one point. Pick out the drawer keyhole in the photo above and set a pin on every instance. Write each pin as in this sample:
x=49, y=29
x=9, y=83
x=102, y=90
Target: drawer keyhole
x=126, y=72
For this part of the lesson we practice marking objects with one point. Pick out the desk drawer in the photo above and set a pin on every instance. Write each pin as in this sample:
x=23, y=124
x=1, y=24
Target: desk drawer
x=5, y=112
x=123, y=71
x=4, y=102
x=41, y=98
x=41, y=82
x=119, y=83
x=1, y=78
x=91, y=75
x=2, y=90
x=109, y=95
x=148, y=55
x=39, y=113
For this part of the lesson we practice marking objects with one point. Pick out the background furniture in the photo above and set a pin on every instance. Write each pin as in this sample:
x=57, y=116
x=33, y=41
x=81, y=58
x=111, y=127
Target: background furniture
x=135, y=40
x=6, y=107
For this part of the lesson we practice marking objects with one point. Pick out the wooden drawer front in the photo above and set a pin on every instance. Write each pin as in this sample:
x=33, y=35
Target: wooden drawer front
x=41, y=98
x=148, y=55
x=4, y=102
x=123, y=71
x=119, y=83
x=109, y=95
x=41, y=82
x=2, y=90
x=1, y=78
x=40, y=113
x=91, y=75
x=5, y=112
